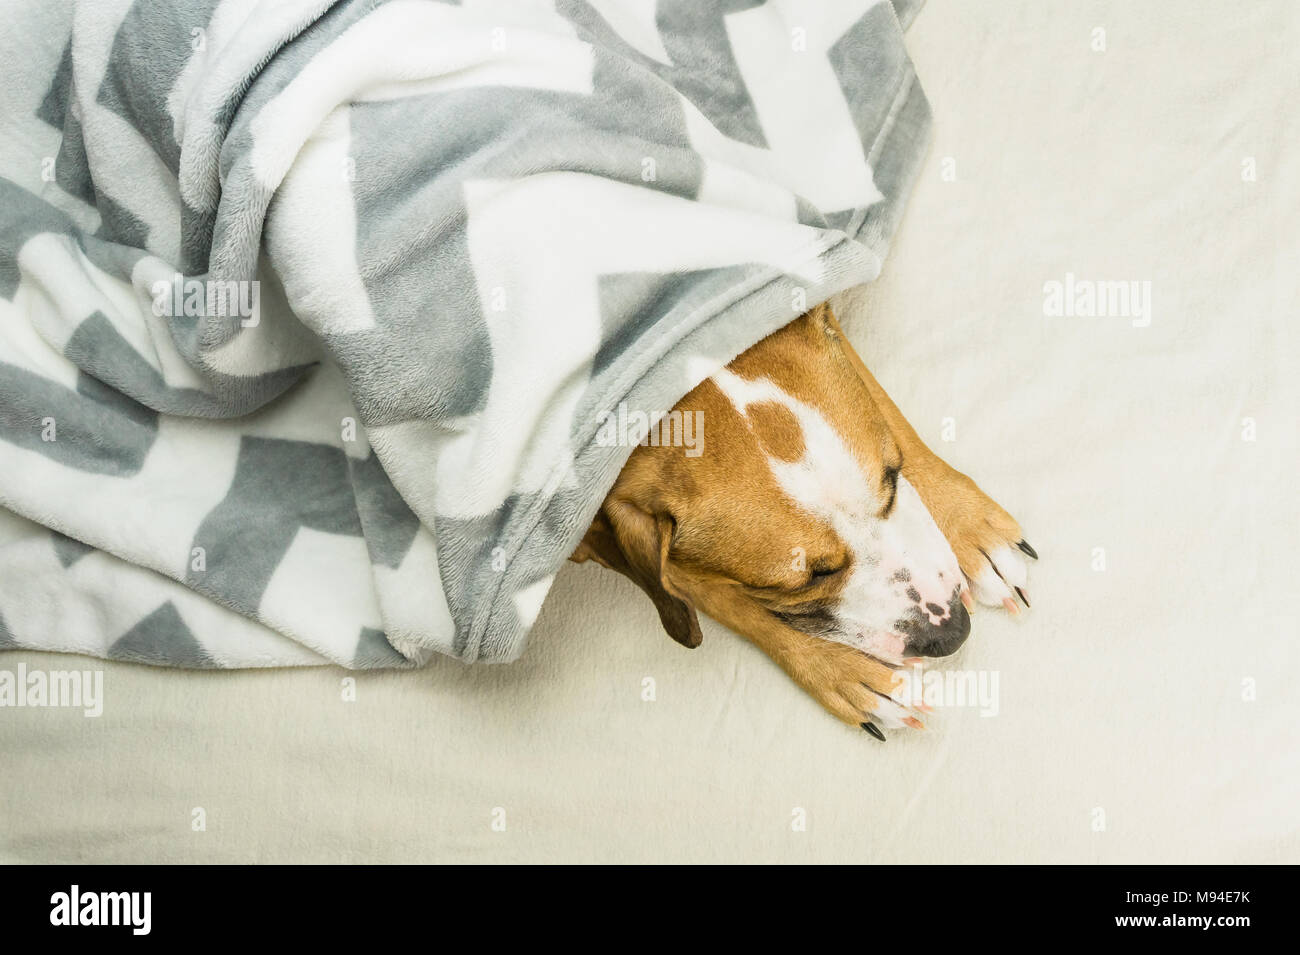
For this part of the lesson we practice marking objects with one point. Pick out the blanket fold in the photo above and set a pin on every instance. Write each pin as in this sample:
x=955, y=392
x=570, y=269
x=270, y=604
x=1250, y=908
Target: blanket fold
x=311, y=312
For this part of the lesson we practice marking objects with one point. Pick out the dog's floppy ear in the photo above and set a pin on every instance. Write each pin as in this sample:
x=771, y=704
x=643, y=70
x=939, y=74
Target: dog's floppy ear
x=627, y=539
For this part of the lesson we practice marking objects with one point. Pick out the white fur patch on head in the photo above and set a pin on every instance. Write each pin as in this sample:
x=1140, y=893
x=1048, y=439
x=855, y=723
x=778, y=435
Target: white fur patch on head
x=904, y=576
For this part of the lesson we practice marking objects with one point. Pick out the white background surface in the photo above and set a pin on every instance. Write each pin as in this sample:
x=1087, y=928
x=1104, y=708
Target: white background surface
x=1120, y=690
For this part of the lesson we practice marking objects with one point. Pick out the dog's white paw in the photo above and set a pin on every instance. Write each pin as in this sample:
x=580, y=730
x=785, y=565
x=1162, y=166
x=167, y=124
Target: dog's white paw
x=852, y=686
x=989, y=545
x=1003, y=577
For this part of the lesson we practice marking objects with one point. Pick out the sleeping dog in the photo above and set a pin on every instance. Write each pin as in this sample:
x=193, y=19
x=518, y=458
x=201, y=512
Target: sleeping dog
x=817, y=524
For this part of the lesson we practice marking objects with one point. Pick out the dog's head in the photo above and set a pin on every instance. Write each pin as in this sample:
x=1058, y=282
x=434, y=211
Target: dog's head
x=794, y=515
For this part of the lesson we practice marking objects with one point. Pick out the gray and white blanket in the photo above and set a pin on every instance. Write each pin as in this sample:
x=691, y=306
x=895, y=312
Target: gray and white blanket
x=312, y=312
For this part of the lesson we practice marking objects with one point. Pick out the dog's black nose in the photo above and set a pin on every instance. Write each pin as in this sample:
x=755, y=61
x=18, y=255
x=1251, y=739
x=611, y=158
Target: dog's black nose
x=925, y=638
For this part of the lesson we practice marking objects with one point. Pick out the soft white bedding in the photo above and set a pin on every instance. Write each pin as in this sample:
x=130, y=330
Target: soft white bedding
x=1123, y=731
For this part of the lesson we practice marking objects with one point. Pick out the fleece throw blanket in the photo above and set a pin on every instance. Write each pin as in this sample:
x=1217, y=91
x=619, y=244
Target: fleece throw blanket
x=314, y=315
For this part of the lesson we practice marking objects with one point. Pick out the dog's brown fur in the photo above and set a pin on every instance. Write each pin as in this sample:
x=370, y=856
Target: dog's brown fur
x=710, y=533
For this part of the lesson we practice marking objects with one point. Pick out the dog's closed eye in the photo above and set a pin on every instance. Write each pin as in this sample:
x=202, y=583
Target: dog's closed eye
x=825, y=570
x=889, y=487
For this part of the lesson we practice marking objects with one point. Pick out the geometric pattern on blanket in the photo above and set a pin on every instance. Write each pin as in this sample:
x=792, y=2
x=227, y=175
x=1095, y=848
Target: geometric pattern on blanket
x=472, y=229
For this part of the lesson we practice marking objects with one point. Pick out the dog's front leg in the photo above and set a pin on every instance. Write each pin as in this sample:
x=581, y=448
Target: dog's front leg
x=852, y=686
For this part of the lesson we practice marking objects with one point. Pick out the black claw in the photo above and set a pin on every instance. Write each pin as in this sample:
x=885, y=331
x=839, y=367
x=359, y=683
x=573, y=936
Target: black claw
x=1022, y=596
x=874, y=730
x=1024, y=546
